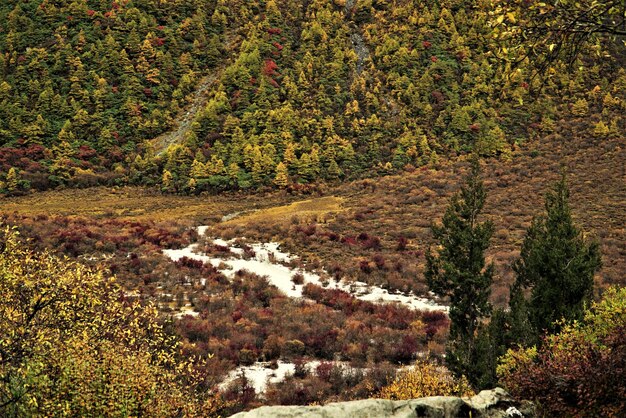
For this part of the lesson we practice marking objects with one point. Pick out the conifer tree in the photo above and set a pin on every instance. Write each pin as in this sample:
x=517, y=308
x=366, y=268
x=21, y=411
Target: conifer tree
x=282, y=175
x=12, y=182
x=458, y=270
x=558, y=264
x=334, y=171
x=198, y=170
x=167, y=180
x=233, y=172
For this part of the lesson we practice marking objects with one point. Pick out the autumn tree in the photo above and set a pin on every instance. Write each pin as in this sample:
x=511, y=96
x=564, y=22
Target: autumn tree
x=70, y=344
x=282, y=175
x=12, y=181
x=545, y=32
x=458, y=270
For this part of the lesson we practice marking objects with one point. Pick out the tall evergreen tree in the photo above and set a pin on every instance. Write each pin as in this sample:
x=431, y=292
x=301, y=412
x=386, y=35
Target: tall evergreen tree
x=458, y=270
x=557, y=264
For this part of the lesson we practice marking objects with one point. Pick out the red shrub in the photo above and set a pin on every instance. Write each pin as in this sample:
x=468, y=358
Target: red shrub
x=379, y=260
x=372, y=243
x=349, y=240
x=365, y=266
x=269, y=68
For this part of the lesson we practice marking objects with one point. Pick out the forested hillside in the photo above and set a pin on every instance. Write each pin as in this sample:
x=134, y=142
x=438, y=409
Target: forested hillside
x=300, y=202
x=85, y=83
x=288, y=92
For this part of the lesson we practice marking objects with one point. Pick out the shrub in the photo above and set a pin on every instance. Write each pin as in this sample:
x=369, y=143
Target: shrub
x=426, y=379
x=580, y=371
x=293, y=348
x=297, y=278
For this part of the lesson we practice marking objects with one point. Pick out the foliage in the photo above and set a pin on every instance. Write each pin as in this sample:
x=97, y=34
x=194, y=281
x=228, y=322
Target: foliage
x=425, y=379
x=557, y=263
x=459, y=272
x=582, y=370
x=88, y=89
x=107, y=78
x=72, y=345
x=83, y=84
x=329, y=382
x=546, y=32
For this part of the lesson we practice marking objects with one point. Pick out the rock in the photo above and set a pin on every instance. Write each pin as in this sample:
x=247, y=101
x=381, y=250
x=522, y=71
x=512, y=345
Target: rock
x=494, y=403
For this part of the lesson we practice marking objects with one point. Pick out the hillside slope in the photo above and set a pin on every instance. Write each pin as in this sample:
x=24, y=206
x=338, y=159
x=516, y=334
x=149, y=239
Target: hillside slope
x=315, y=91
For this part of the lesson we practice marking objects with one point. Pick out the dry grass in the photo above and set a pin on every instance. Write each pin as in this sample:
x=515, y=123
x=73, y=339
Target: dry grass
x=312, y=210
x=134, y=203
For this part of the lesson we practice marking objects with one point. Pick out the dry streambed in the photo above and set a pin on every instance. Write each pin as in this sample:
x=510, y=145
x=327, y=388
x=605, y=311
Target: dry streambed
x=267, y=260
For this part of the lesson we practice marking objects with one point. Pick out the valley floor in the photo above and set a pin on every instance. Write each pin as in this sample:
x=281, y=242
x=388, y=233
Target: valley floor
x=366, y=238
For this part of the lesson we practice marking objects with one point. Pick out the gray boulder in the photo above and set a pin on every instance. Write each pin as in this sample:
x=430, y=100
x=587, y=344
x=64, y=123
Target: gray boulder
x=494, y=403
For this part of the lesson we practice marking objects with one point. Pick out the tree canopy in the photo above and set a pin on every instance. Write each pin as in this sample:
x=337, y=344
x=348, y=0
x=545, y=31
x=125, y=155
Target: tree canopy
x=72, y=345
x=551, y=30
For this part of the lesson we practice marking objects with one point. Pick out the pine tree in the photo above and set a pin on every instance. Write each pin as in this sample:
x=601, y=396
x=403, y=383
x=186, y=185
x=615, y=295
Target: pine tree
x=282, y=175
x=233, y=172
x=12, y=181
x=458, y=270
x=334, y=171
x=558, y=264
x=167, y=181
x=305, y=171
x=198, y=170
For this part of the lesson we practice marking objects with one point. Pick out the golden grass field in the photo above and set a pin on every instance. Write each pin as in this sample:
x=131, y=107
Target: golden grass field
x=310, y=210
x=135, y=203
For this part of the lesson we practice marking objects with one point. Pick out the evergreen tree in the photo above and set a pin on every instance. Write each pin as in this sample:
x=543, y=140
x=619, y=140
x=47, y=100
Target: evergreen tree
x=458, y=270
x=334, y=172
x=167, y=181
x=12, y=181
x=282, y=176
x=558, y=264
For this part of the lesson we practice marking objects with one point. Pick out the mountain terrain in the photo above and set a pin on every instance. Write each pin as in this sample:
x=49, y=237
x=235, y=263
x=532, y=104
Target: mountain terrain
x=196, y=96
x=210, y=206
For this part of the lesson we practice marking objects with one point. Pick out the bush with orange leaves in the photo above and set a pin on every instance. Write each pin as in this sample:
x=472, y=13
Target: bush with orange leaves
x=426, y=379
x=580, y=372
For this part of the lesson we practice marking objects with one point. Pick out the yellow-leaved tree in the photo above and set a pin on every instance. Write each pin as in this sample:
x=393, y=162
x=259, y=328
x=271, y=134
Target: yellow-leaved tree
x=72, y=345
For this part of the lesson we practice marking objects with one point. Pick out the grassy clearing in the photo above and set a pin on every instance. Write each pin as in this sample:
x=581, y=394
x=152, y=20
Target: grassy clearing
x=135, y=203
x=312, y=210
x=102, y=202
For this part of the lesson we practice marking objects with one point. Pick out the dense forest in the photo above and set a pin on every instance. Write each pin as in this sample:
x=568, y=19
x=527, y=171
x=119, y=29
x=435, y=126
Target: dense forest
x=272, y=93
